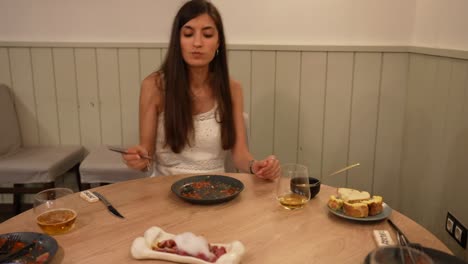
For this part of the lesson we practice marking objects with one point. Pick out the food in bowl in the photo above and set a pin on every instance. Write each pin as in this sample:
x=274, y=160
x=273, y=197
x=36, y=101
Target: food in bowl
x=356, y=203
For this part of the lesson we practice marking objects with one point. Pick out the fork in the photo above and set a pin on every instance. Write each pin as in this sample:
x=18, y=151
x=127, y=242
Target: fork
x=9, y=244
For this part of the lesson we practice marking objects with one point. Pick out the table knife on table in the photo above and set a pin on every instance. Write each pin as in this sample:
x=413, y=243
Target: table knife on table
x=108, y=205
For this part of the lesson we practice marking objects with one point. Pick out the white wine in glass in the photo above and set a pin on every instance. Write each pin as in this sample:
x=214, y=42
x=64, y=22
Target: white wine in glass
x=288, y=191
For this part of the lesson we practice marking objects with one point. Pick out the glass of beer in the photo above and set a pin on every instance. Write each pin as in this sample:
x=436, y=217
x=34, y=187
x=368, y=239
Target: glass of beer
x=292, y=189
x=54, y=210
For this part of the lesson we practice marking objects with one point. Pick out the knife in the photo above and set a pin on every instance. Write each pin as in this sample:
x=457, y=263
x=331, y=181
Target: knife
x=108, y=204
x=17, y=254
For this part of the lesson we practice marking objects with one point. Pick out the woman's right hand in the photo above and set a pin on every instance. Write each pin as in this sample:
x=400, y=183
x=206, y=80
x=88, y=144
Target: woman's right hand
x=268, y=168
x=134, y=159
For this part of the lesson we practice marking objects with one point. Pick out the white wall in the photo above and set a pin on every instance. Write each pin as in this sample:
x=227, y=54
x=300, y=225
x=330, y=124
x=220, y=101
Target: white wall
x=441, y=24
x=318, y=22
x=427, y=23
x=321, y=22
x=87, y=20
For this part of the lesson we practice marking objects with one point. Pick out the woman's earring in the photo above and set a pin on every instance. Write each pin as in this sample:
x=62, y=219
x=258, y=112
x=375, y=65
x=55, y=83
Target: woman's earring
x=217, y=52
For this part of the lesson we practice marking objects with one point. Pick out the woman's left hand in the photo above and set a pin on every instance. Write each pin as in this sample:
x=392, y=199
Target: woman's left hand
x=268, y=168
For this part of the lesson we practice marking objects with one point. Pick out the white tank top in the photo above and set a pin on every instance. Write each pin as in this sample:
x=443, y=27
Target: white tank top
x=206, y=155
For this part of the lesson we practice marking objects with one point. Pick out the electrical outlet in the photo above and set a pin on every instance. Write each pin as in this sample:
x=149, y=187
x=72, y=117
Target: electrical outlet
x=449, y=225
x=458, y=233
x=456, y=229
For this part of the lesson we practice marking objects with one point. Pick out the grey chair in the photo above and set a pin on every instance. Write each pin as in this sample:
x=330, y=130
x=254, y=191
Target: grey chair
x=103, y=167
x=23, y=166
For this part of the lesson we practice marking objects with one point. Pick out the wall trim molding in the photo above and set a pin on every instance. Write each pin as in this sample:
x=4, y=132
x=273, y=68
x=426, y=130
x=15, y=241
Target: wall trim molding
x=440, y=52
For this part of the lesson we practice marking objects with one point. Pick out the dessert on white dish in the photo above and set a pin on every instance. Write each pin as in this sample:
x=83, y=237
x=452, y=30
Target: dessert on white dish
x=142, y=248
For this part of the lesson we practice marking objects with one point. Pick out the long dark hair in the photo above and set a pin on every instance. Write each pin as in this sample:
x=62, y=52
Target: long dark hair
x=178, y=116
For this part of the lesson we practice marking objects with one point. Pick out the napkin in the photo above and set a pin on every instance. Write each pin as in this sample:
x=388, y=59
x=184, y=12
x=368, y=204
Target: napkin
x=141, y=249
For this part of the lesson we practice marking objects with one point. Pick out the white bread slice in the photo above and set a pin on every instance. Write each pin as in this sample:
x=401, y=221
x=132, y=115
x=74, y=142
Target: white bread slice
x=343, y=193
x=352, y=195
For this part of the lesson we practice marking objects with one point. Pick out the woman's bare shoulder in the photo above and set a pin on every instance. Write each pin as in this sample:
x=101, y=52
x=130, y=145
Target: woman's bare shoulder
x=236, y=87
x=151, y=89
x=234, y=84
x=152, y=82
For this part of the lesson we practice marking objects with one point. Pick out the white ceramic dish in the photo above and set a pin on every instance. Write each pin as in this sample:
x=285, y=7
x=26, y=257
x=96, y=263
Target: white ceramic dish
x=387, y=210
x=141, y=249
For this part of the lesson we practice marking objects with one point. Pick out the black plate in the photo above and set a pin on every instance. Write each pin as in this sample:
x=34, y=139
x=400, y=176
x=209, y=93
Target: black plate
x=45, y=243
x=207, y=189
x=438, y=257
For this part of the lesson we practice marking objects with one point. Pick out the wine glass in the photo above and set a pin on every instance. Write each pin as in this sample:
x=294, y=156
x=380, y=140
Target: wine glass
x=397, y=255
x=55, y=210
x=292, y=190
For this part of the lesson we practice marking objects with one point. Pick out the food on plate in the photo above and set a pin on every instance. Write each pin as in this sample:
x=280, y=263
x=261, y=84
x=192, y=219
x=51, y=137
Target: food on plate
x=356, y=209
x=188, y=244
x=375, y=205
x=207, y=190
x=185, y=248
x=31, y=257
x=335, y=203
x=356, y=203
x=352, y=195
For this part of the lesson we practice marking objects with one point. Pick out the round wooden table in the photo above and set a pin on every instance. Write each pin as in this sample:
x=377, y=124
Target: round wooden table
x=270, y=233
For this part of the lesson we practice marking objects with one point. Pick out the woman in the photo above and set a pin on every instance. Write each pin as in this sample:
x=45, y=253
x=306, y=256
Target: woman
x=190, y=110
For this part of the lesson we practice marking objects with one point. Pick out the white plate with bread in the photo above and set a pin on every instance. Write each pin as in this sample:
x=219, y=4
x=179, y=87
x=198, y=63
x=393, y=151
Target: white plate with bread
x=358, y=205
